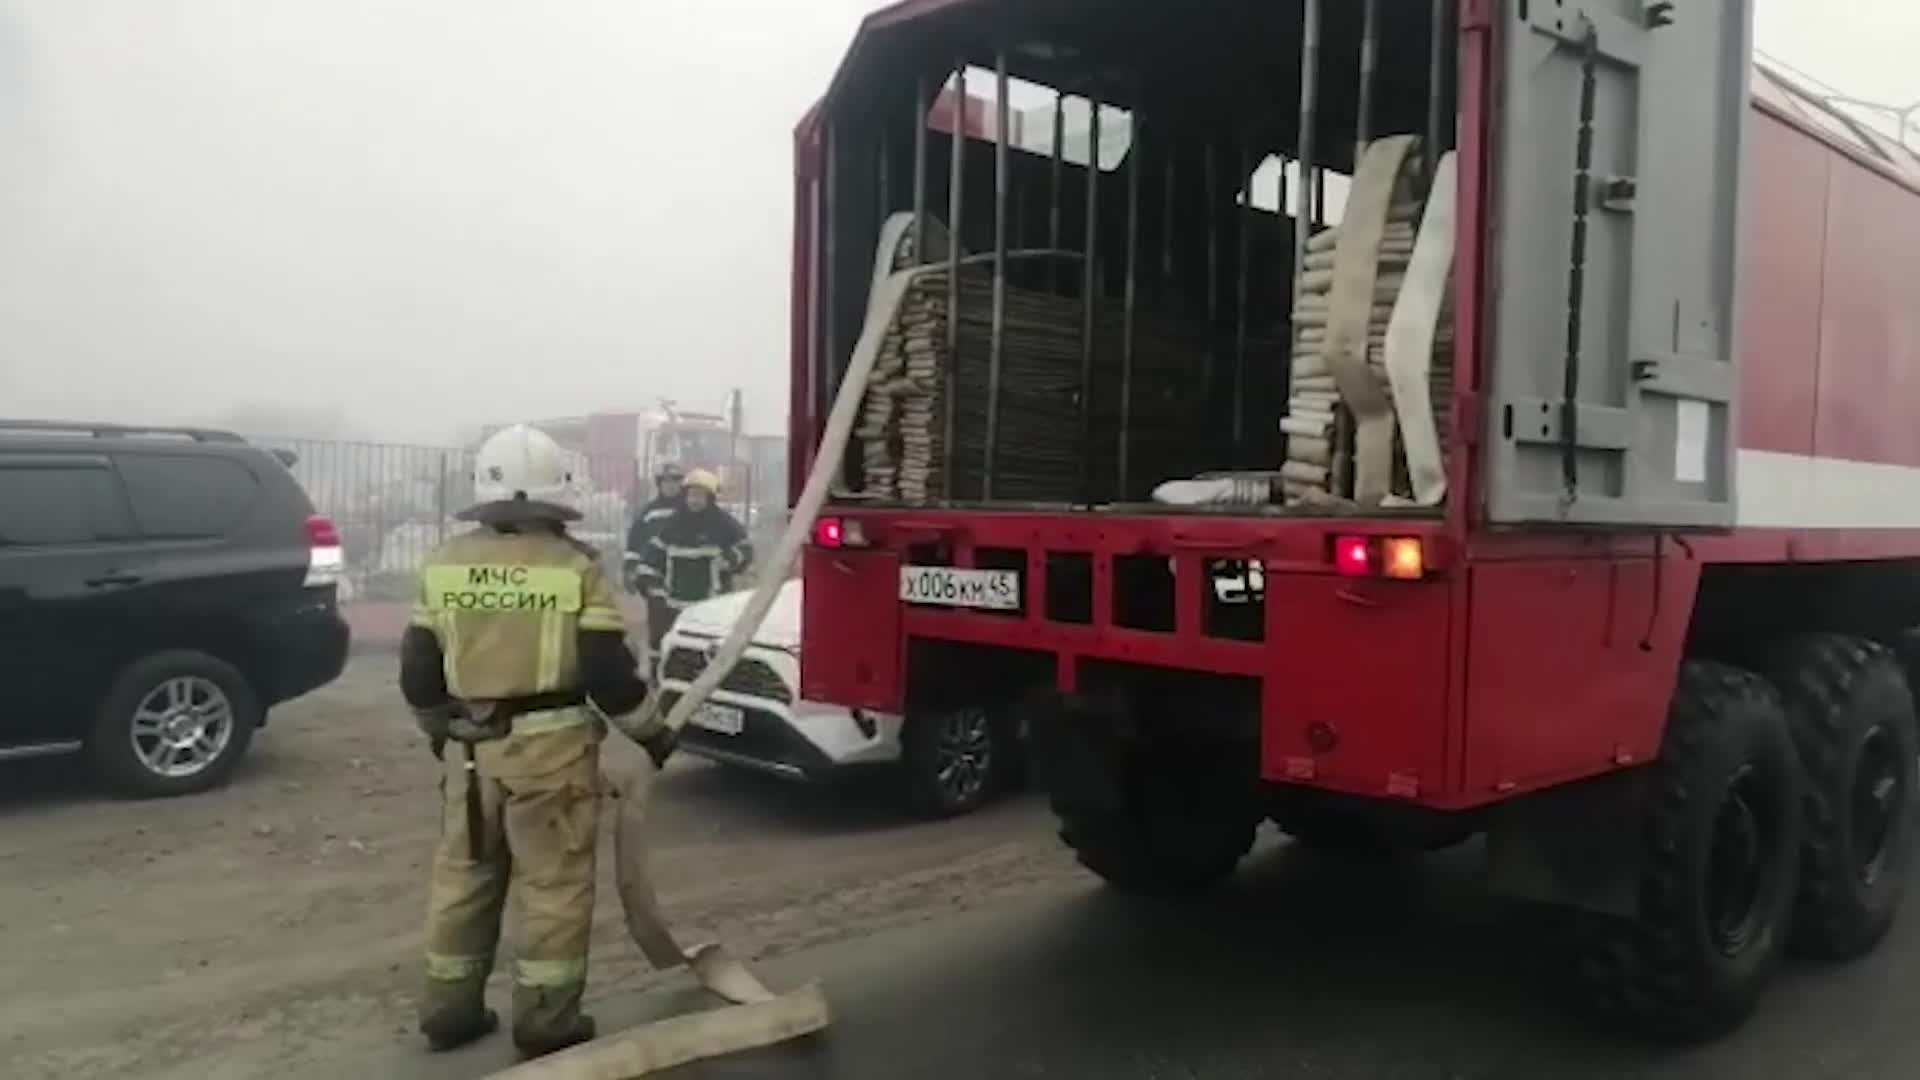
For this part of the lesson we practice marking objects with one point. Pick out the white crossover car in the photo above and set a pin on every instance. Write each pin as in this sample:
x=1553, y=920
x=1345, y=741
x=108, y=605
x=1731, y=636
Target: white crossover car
x=949, y=762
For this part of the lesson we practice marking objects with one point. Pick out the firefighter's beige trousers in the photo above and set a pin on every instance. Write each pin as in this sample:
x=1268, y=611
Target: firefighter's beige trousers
x=540, y=827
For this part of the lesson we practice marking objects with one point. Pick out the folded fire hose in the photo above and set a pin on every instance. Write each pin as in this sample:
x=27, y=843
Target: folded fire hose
x=756, y=1016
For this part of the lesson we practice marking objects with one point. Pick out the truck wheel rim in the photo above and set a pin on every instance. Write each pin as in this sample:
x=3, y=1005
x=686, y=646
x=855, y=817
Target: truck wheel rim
x=1742, y=862
x=1878, y=799
x=182, y=726
x=963, y=754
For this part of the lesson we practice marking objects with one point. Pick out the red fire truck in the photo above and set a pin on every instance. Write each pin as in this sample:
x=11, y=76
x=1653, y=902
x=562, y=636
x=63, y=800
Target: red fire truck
x=1655, y=642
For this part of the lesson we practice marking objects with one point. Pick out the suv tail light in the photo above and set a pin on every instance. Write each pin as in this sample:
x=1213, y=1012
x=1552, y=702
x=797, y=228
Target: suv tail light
x=326, y=559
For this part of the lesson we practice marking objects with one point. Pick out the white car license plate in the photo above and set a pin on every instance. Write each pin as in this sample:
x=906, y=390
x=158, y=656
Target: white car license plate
x=724, y=719
x=945, y=586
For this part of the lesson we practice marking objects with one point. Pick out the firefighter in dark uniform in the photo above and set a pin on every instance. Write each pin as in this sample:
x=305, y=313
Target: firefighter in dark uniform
x=697, y=554
x=517, y=656
x=669, y=498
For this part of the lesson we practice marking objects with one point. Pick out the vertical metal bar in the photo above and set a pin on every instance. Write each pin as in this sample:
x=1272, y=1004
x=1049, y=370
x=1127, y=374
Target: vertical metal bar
x=1281, y=189
x=1242, y=207
x=1059, y=181
x=1211, y=196
x=1002, y=179
x=1309, y=92
x=1319, y=195
x=1436, y=86
x=1089, y=289
x=1369, y=60
x=1022, y=237
x=829, y=287
x=920, y=107
x=816, y=344
x=956, y=196
x=1166, y=231
x=440, y=508
x=1131, y=297
x=886, y=171
x=1309, y=95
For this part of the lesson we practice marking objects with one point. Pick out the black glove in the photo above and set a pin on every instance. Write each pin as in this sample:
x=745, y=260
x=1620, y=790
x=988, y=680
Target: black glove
x=435, y=721
x=660, y=746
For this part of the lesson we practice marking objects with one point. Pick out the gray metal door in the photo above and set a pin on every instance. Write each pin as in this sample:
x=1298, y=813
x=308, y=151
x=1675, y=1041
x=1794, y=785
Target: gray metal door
x=1616, y=213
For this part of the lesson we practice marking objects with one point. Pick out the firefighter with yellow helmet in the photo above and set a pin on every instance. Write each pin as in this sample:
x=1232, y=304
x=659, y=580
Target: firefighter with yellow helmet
x=515, y=654
x=697, y=554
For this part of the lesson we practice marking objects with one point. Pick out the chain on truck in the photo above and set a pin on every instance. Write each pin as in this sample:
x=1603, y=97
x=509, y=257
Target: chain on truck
x=1398, y=420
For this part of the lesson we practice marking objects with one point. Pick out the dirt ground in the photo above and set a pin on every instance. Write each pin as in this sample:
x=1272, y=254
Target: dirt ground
x=272, y=927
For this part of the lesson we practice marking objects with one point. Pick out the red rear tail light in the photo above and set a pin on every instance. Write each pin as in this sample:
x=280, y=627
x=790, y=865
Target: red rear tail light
x=1353, y=556
x=326, y=561
x=322, y=532
x=833, y=532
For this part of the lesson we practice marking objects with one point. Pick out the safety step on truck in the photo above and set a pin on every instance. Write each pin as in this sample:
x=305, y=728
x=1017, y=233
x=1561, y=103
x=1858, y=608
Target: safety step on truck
x=1401, y=421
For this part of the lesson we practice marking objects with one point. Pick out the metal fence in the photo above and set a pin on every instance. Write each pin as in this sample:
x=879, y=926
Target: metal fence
x=395, y=503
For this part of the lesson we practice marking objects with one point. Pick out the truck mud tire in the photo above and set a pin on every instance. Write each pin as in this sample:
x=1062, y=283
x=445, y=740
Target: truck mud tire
x=1852, y=717
x=957, y=759
x=173, y=723
x=1182, y=825
x=1721, y=836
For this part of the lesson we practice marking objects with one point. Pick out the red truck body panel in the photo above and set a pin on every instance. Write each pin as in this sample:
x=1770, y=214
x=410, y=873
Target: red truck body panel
x=1526, y=659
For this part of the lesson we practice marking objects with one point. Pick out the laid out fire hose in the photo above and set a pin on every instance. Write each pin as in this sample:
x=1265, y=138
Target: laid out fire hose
x=756, y=1016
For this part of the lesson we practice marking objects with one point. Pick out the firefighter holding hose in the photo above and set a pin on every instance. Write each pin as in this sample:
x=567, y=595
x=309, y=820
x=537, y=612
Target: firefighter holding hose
x=515, y=654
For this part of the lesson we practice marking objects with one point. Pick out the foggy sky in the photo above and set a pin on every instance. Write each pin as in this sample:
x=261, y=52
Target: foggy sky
x=397, y=218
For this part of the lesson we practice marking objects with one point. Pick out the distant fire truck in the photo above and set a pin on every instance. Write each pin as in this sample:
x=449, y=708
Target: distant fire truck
x=622, y=450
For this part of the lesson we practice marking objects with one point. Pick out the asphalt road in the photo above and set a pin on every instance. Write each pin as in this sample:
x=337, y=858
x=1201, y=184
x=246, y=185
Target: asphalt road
x=1302, y=968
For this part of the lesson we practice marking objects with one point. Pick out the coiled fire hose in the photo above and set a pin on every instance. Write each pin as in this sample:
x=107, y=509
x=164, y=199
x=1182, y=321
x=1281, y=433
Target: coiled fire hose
x=757, y=1016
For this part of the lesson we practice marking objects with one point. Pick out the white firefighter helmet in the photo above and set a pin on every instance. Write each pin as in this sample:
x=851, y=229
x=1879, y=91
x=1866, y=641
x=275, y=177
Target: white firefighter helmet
x=701, y=478
x=522, y=464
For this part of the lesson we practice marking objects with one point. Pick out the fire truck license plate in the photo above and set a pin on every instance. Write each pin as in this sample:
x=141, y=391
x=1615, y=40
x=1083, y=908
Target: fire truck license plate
x=945, y=586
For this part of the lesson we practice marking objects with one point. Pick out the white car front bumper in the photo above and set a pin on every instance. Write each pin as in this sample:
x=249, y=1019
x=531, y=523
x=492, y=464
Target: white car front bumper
x=779, y=733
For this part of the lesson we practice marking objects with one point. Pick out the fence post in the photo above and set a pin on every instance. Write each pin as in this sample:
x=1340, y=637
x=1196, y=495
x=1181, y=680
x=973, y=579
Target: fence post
x=440, y=499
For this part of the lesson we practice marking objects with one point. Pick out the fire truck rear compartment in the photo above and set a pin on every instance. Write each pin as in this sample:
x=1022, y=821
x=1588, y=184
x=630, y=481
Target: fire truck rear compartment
x=1125, y=323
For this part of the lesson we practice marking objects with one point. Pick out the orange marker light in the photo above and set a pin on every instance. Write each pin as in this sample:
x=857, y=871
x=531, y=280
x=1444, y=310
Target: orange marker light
x=1403, y=558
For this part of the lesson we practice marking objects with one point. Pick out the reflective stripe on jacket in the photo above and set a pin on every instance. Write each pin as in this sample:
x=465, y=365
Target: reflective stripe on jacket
x=507, y=610
x=695, y=555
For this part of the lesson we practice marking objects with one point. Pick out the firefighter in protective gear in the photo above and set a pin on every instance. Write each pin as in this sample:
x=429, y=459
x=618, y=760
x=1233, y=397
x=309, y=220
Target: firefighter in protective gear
x=515, y=653
x=669, y=497
x=697, y=554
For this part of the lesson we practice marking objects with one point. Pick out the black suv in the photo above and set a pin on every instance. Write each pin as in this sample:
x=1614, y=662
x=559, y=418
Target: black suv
x=160, y=589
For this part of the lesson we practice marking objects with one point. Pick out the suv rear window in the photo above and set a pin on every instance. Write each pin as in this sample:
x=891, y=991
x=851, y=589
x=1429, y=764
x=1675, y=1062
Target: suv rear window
x=47, y=503
x=187, y=496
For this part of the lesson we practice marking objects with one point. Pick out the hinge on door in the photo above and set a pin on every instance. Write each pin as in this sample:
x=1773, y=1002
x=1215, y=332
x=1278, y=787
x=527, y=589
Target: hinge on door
x=1617, y=194
x=1577, y=266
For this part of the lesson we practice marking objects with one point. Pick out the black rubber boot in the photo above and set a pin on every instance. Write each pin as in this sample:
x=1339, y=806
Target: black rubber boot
x=533, y=1046
x=442, y=1037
